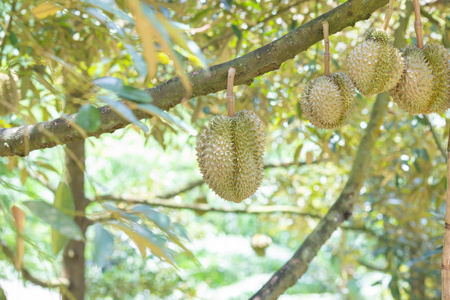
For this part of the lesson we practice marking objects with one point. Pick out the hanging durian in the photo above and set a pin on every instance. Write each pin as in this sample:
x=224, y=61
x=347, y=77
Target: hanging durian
x=230, y=151
x=326, y=100
x=376, y=65
x=9, y=93
x=425, y=84
x=260, y=242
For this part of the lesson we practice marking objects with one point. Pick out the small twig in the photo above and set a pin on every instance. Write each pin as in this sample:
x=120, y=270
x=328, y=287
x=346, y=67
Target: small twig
x=58, y=282
x=435, y=137
x=7, y=28
x=388, y=15
x=418, y=26
x=327, y=55
x=230, y=94
x=199, y=182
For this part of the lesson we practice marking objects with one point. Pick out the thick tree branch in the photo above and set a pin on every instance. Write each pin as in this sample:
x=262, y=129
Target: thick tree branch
x=341, y=210
x=214, y=79
x=58, y=282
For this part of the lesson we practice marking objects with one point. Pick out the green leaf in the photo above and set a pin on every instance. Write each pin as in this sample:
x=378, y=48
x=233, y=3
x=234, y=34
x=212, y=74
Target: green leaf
x=56, y=219
x=123, y=111
x=156, y=111
x=125, y=91
x=89, y=117
x=179, y=229
x=138, y=60
x=64, y=202
x=111, y=7
x=13, y=38
x=103, y=245
x=2, y=294
x=237, y=32
x=161, y=220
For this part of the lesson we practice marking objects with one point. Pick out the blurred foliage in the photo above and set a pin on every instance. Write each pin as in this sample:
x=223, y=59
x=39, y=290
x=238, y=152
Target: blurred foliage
x=390, y=249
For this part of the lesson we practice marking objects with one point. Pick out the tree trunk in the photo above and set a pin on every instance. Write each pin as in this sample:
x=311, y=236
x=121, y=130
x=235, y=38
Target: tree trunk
x=73, y=257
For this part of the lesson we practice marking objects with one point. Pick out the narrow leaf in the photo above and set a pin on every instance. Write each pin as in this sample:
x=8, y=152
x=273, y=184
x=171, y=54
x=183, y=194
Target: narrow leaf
x=123, y=111
x=88, y=117
x=156, y=111
x=64, y=202
x=56, y=219
x=103, y=245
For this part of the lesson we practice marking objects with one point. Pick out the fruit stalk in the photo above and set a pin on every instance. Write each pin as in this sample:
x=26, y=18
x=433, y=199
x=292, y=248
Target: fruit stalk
x=230, y=94
x=388, y=15
x=418, y=25
x=445, y=265
x=327, y=55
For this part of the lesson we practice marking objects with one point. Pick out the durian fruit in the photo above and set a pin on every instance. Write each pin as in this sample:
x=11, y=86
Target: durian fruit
x=425, y=84
x=230, y=155
x=260, y=242
x=9, y=93
x=201, y=200
x=375, y=65
x=326, y=100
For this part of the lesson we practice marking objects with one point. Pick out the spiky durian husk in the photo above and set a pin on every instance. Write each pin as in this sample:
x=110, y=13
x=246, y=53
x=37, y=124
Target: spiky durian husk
x=425, y=84
x=8, y=93
x=325, y=100
x=375, y=65
x=230, y=155
x=439, y=59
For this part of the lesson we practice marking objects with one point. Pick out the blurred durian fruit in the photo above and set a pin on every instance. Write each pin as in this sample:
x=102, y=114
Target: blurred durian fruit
x=375, y=65
x=260, y=242
x=9, y=93
x=425, y=85
x=326, y=100
x=230, y=151
x=201, y=200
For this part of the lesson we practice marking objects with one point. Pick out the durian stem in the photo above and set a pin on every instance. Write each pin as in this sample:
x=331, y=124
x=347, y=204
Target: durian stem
x=418, y=25
x=445, y=265
x=388, y=14
x=230, y=94
x=327, y=55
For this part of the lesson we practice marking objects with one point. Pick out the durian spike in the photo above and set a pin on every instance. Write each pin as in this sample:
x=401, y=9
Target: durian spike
x=388, y=15
x=418, y=26
x=327, y=55
x=230, y=94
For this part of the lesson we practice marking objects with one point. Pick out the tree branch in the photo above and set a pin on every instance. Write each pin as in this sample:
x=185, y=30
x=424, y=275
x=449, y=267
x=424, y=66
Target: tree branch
x=203, y=207
x=341, y=210
x=58, y=282
x=199, y=182
x=170, y=93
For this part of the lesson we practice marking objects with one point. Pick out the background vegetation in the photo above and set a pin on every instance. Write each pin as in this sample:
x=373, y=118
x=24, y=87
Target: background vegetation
x=63, y=52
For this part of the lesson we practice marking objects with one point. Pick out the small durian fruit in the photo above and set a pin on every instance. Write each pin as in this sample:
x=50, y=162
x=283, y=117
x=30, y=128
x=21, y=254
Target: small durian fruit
x=326, y=100
x=201, y=200
x=230, y=151
x=9, y=93
x=375, y=65
x=260, y=242
x=425, y=85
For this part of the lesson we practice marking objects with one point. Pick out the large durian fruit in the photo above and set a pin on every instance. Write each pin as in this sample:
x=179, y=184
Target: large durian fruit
x=230, y=155
x=326, y=100
x=375, y=65
x=9, y=93
x=425, y=84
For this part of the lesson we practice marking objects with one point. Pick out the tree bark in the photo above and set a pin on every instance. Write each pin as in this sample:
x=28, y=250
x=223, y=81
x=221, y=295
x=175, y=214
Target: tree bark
x=170, y=93
x=73, y=257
